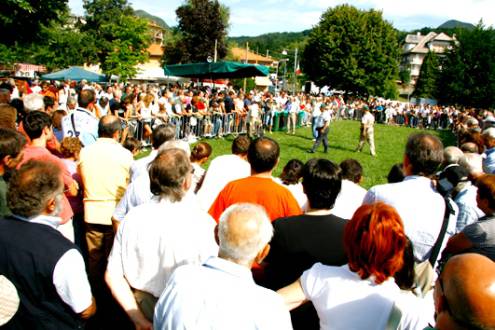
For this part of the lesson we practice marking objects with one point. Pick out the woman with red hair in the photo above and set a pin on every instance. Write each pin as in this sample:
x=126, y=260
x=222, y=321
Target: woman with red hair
x=361, y=294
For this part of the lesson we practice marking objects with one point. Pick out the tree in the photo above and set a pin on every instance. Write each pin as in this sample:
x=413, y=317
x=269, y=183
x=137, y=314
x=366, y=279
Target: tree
x=426, y=85
x=21, y=20
x=120, y=38
x=201, y=22
x=405, y=76
x=468, y=70
x=352, y=50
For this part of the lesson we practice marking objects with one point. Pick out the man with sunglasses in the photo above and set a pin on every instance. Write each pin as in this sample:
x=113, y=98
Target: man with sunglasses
x=465, y=293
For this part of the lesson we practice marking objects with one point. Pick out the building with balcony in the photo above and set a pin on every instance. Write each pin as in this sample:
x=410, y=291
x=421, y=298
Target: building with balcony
x=416, y=46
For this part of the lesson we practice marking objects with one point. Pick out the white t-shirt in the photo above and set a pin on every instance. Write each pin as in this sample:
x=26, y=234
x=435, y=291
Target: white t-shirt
x=349, y=199
x=368, y=119
x=344, y=301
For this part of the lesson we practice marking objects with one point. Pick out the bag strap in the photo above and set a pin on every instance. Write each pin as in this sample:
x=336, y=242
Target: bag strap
x=438, y=244
x=394, y=318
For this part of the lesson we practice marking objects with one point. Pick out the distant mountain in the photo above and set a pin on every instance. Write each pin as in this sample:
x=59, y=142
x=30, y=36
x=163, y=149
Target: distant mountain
x=274, y=43
x=148, y=16
x=453, y=24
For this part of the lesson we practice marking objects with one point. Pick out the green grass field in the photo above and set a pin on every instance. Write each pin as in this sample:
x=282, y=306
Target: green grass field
x=343, y=138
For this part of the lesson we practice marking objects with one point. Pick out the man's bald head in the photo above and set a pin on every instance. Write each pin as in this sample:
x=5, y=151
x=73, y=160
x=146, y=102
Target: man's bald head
x=244, y=231
x=467, y=293
x=263, y=154
x=108, y=126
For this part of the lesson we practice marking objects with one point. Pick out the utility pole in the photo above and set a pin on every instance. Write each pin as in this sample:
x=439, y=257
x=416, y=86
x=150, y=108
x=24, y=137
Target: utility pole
x=215, y=53
x=246, y=62
x=295, y=74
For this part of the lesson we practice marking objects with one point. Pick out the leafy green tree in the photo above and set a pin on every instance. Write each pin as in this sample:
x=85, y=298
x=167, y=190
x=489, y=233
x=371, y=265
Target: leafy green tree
x=21, y=20
x=201, y=22
x=426, y=85
x=352, y=50
x=405, y=76
x=120, y=38
x=468, y=70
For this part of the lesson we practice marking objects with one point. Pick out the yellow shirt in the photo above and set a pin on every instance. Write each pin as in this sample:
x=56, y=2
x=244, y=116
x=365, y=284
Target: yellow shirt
x=104, y=167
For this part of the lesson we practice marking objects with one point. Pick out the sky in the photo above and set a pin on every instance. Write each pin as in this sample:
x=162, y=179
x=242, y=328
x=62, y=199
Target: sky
x=255, y=17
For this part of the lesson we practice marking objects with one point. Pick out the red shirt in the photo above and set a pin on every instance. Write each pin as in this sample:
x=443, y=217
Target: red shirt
x=277, y=200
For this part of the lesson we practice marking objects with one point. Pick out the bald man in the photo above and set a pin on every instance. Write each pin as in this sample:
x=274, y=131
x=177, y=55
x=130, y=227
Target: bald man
x=465, y=294
x=104, y=168
x=221, y=293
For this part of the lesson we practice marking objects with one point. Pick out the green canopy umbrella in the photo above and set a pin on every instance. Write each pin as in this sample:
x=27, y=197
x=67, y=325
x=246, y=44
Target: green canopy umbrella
x=75, y=73
x=216, y=70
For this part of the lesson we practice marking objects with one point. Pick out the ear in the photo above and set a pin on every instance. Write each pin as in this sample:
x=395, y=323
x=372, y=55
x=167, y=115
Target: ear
x=262, y=254
x=216, y=235
x=406, y=166
x=50, y=205
x=186, y=185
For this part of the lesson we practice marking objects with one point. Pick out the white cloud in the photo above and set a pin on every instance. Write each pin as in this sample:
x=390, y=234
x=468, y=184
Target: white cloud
x=252, y=17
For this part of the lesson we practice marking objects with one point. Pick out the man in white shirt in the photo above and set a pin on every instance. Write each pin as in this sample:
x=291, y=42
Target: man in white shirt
x=157, y=237
x=322, y=128
x=221, y=293
x=224, y=169
x=416, y=200
x=160, y=135
x=82, y=123
x=367, y=131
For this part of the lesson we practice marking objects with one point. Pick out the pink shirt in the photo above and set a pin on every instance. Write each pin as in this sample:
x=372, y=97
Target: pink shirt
x=42, y=154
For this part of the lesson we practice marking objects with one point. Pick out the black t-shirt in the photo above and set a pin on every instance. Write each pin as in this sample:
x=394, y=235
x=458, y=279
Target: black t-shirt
x=229, y=104
x=301, y=241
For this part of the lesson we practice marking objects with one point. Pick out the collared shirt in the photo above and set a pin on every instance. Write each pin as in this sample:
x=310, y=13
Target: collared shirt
x=468, y=208
x=69, y=276
x=349, y=199
x=140, y=166
x=82, y=124
x=104, y=168
x=157, y=237
x=489, y=161
x=221, y=171
x=420, y=207
x=218, y=295
x=482, y=235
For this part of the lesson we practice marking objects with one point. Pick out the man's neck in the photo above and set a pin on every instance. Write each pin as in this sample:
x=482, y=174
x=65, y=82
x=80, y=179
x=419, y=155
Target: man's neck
x=39, y=142
x=262, y=175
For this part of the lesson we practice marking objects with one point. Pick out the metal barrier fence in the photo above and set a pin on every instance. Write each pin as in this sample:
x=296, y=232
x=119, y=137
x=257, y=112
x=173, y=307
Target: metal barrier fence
x=218, y=125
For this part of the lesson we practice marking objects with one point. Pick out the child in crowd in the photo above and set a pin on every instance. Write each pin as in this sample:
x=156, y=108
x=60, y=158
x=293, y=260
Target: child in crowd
x=199, y=155
x=57, y=124
x=133, y=145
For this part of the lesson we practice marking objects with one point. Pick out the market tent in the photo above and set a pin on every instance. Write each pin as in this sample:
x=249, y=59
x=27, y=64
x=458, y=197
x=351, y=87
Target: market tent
x=75, y=73
x=216, y=70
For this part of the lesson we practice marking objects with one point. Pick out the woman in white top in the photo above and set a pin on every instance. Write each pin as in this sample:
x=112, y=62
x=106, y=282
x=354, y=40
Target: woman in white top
x=291, y=179
x=361, y=294
x=199, y=155
x=146, y=109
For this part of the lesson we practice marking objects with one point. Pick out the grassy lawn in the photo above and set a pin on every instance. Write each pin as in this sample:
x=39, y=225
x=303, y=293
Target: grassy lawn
x=343, y=138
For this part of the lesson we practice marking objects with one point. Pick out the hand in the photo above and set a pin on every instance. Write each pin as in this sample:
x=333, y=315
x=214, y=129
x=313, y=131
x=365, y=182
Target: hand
x=73, y=189
x=140, y=321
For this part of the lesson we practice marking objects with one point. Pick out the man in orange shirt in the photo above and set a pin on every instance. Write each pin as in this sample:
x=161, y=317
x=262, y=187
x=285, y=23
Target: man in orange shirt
x=259, y=188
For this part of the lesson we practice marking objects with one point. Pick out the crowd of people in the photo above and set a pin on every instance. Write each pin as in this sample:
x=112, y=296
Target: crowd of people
x=91, y=238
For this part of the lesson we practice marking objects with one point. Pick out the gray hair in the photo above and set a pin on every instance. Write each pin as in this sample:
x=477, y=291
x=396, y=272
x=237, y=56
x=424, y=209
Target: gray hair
x=243, y=231
x=472, y=162
x=33, y=102
x=489, y=132
x=452, y=155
